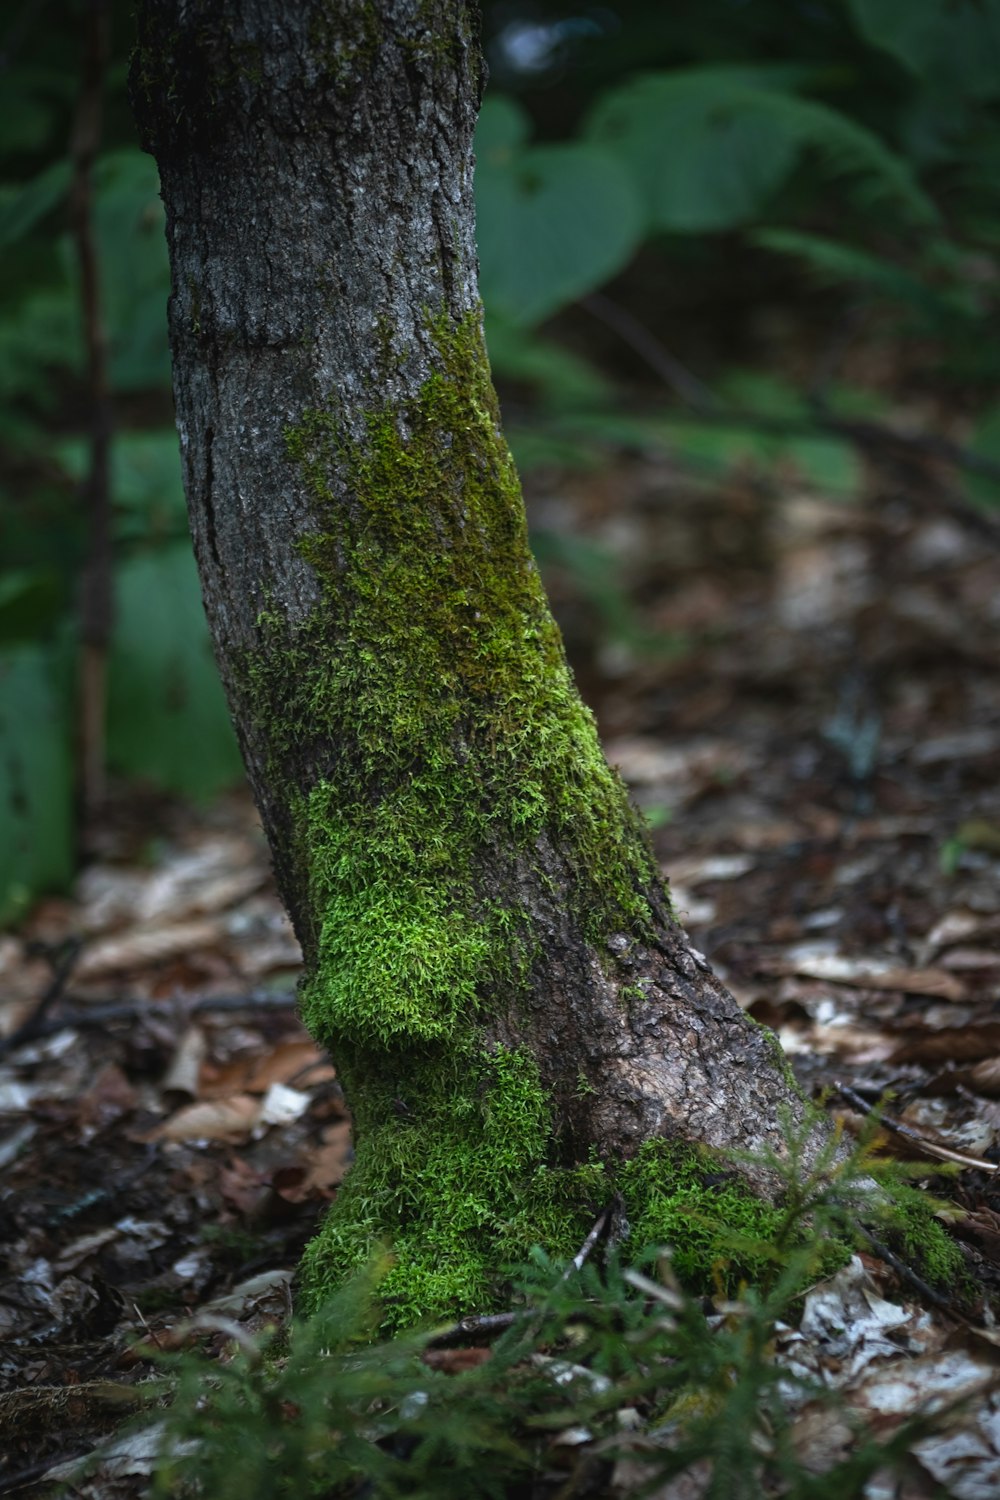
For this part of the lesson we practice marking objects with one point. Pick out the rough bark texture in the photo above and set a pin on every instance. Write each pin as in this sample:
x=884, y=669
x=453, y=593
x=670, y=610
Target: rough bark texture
x=522, y=1029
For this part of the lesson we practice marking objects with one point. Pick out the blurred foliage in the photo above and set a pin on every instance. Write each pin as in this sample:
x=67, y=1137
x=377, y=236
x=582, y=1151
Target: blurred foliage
x=854, y=142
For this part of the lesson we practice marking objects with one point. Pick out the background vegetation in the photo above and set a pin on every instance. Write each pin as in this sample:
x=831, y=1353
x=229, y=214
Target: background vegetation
x=631, y=158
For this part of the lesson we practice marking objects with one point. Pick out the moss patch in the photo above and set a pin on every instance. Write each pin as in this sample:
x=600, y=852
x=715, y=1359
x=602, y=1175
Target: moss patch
x=691, y=1201
x=455, y=1179
x=435, y=763
x=448, y=737
x=909, y=1225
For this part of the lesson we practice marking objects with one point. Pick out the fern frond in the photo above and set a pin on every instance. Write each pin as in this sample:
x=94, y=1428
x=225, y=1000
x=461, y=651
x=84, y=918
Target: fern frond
x=836, y=264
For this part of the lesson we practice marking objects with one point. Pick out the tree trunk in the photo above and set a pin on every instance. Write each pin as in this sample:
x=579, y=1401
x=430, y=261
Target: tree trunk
x=522, y=1030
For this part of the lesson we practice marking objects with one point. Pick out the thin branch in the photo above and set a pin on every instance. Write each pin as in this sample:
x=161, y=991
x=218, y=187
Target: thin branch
x=907, y=1133
x=35, y=1024
x=96, y=601
x=886, y=441
x=95, y=1015
x=905, y=1272
x=649, y=349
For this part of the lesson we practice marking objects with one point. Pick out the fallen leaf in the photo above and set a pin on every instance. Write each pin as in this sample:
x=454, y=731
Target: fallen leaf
x=144, y=945
x=211, y=1120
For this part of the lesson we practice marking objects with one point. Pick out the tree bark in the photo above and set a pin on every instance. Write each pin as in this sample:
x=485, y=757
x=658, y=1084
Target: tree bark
x=522, y=1029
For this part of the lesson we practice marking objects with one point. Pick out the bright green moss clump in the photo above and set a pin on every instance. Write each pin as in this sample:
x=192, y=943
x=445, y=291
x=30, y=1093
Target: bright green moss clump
x=719, y=1232
x=454, y=1177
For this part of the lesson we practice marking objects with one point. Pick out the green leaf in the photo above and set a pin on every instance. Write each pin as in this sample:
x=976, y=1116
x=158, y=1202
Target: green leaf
x=135, y=274
x=503, y=126
x=710, y=146
x=834, y=263
x=701, y=163
x=36, y=791
x=33, y=102
x=554, y=223
x=40, y=334
x=21, y=207
x=955, y=43
x=30, y=603
x=146, y=486
x=167, y=716
x=983, y=489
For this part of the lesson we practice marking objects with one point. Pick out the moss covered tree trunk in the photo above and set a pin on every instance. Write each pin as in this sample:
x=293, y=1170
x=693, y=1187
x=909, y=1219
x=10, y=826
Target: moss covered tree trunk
x=522, y=1030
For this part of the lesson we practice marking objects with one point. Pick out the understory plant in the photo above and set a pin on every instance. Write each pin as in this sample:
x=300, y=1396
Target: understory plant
x=608, y=1371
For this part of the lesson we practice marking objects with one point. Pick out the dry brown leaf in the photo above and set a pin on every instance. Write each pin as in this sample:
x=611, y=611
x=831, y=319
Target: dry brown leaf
x=325, y=1169
x=960, y=926
x=983, y=1077
x=871, y=974
x=144, y=945
x=242, y=1186
x=970, y=959
x=109, y=1097
x=229, y=1119
x=456, y=1361
x=185, y=1066
x=300, y=1061
x=949, y=1044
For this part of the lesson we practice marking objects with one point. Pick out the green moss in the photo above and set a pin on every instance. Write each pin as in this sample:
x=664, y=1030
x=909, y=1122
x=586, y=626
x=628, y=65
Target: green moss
x=690, y=1200
x=453, y=1174
x=450, y=739
x=434, y=763
x=909, y=1223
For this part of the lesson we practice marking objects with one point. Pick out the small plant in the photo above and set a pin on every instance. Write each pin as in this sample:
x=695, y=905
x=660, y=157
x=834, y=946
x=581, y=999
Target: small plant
x=618, y=1355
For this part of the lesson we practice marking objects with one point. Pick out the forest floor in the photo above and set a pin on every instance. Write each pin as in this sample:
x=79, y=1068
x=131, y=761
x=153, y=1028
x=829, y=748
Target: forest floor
x=804, y=695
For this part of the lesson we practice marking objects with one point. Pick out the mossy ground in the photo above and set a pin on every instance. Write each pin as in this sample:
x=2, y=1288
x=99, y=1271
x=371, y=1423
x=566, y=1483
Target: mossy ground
x=462, y=1186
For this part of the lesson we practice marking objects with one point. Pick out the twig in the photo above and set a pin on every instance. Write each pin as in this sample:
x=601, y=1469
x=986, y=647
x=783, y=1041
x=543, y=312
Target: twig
x=94, y=1016
x=599, y=1226
x=903, y=1270
x=649, y=349
x=873, y=435
x=833, y=353
x=96, y=579
x=930, y=1148
x=35, y=1024
x=11, y=1483
x=477, y=1325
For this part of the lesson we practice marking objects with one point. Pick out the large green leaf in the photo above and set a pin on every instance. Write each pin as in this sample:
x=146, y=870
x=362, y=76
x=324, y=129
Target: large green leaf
x=36, y=792
x=554, y=221
x=710, y=146
x=31, y=601
x=135, y=273
x=146, y=486
x=168, y=721
x=22, y=206
x=503, y=126
x=703, y=164
x=954, y=43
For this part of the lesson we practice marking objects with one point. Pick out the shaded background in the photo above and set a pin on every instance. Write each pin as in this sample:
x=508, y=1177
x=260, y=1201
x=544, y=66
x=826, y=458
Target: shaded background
x=727, y=253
